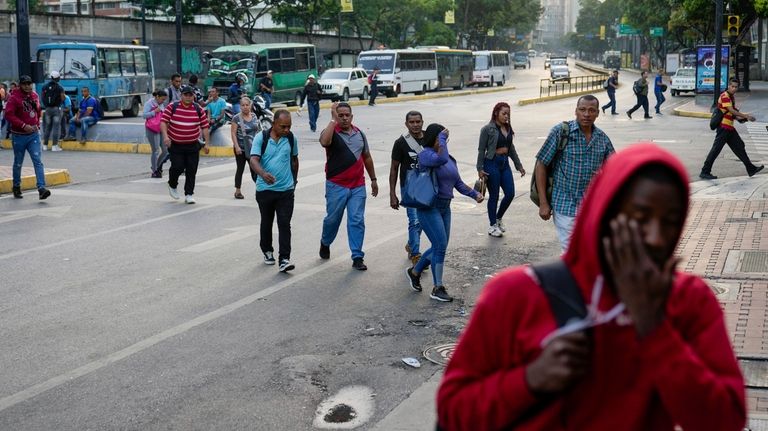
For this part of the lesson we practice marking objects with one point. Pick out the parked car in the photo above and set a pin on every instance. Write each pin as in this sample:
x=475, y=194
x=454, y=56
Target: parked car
x=521, y=60
x=343, y=83
x=558, y=69
x=531, y=53
x=683, y=81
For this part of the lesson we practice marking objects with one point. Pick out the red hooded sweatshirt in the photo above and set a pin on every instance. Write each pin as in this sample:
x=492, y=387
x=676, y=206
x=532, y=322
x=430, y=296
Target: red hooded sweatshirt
x=683, y=373
x=22, y=108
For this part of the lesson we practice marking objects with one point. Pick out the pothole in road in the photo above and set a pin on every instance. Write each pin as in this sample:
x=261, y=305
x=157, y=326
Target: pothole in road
x=349, y=408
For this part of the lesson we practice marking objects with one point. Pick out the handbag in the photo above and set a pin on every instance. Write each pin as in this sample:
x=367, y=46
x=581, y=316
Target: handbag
x=153, y=124
x=420, y=191
x=716, y=119
x=480, y=186
x=534, y=195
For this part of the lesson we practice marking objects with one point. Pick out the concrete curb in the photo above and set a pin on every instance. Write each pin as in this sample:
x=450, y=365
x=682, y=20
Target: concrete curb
x=53, y=177
x=691, y=114
x=523, y=102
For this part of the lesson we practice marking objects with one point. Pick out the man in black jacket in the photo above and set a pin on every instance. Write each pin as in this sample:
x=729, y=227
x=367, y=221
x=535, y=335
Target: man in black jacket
x=311, y=94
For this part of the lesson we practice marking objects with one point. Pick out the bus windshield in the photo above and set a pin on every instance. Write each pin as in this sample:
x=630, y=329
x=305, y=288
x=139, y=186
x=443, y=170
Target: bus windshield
x=384, y=62
x=70, y=63
x=481, y=62
x=230, y=61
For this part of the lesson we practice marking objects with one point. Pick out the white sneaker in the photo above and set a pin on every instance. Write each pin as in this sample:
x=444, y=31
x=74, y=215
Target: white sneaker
x=500, y=225
x=45, y=147
x=189, y=199
x=494, y=231
x=173, y=192
x=55, y=148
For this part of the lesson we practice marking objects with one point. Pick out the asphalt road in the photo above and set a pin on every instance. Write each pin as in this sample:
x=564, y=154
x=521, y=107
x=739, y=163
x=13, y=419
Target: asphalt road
x=123, y=309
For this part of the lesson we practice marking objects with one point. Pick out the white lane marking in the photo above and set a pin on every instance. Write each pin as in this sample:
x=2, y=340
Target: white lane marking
x=96, y=234
x=665, y=141
x=237, y=234
x=146, y=343
x=42, y=212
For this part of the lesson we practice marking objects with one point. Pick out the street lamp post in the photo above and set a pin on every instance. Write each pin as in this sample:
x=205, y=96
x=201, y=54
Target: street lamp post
x=22, y=37
x=143, y=22
x=178, y=36
x=718, y=46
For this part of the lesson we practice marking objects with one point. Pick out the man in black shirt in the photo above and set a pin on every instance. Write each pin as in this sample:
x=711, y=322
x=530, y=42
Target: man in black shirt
x=311, y=94
x=404, y=153
x=266, y=86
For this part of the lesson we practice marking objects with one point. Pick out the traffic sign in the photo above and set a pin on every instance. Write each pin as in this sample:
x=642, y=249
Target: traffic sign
x=627, y=30
x=657, y=31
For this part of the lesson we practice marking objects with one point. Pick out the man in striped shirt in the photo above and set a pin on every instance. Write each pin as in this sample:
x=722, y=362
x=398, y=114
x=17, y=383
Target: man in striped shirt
x=181, y=126
x=727, y=134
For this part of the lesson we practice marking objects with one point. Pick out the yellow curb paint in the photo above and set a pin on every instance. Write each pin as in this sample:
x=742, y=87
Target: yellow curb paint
x=54, y=177
x=692, y=114
x=523, y=102
x=110, y=147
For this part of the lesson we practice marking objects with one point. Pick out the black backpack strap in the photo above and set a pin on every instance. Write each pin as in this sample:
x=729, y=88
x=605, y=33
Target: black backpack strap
x=264, y=141
x=561, y=289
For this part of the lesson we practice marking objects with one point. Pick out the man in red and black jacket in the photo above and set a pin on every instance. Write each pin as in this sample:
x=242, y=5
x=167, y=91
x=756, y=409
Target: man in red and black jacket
x=23, y=114
x=347, y=152
x=181, y=127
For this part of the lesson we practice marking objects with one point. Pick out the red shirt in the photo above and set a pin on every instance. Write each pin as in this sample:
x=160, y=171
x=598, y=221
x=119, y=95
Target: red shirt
x=184, y=125
x=22, y=109
x=723, y=102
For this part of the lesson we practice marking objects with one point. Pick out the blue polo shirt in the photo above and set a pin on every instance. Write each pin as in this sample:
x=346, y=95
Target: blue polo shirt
x=277, y=161
x=215, y=108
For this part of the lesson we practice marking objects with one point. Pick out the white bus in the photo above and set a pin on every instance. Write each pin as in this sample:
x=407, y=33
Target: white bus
x=491, y=67
x=401, y=70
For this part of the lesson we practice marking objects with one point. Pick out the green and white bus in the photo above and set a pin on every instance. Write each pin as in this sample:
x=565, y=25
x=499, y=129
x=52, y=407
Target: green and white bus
x=290, y=64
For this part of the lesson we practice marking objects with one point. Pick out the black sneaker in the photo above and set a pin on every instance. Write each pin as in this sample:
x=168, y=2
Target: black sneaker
x=439, y=294
x=286, y=265
x=358, y=264
x=755, y=170
x=629, y=114
x=17, y=193
x=43, y=193
x=325, y=251
x=269, y=258
x=707, y=176
x=413, y=279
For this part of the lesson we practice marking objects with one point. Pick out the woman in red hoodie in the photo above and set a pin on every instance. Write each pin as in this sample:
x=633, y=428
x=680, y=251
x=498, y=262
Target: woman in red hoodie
x=657, y=353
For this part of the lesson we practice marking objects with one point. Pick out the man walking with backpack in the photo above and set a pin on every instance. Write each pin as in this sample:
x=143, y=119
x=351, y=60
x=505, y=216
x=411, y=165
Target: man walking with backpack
x=87, y=115
x=611, y=84
x=181, y=126
x=640, y=88
x=275, y=159
x=53, y=98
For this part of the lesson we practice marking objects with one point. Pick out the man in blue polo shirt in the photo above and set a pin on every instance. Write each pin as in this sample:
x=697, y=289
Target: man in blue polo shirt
x=277, y=169
x=86, y=116
x=215, y=106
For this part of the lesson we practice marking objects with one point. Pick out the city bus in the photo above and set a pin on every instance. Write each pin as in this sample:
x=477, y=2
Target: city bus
x=491, y=67
x=290, y=64
x=401, y=70
x=454, y=67
x=121, y=76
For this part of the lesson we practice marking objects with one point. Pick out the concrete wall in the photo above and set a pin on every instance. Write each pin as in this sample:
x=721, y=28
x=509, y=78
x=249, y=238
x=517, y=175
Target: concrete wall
x=161, y=38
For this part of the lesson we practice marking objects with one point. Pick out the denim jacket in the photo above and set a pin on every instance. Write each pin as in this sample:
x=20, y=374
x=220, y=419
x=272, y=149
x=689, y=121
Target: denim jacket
x=486, y=149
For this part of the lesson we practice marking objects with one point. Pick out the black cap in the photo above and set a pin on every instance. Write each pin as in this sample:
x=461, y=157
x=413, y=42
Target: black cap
x=23, y=79
x=187, y=89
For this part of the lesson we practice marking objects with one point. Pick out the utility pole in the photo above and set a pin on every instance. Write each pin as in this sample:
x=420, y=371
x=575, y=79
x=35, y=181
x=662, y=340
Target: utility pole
x=22, y=37
x=718, y=47
x=339, y=65
x=143, y=22
x=178, y=36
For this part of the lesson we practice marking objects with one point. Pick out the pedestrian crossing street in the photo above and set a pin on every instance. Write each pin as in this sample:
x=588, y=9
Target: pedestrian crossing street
x=758, y=136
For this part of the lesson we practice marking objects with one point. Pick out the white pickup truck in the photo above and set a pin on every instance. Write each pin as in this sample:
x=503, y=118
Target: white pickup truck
x=683, y=81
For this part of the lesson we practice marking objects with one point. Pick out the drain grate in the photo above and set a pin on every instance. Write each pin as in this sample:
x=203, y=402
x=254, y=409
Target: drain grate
x=755, y=373
x=440, y=354
x=754, y=261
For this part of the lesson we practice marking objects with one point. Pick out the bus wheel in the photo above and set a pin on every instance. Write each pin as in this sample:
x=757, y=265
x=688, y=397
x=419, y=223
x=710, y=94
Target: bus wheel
x=297, y=99
x=461, y=84
x=365, y=94
x=491, y=82
x=503, y=81
x=423, y=89
x=133, y=111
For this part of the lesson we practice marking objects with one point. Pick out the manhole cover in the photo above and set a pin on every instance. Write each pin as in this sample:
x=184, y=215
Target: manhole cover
x=754, y=261
x=755, y=373
x=440, y=354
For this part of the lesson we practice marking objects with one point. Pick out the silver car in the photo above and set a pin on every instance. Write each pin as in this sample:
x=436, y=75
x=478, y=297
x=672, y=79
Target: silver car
x=343, y=83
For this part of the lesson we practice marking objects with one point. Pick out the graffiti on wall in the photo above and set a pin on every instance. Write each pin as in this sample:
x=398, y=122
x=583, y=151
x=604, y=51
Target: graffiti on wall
x=191, y=61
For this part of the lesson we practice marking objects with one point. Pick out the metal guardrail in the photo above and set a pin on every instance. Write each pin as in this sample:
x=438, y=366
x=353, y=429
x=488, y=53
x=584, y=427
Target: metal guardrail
x=549, y=87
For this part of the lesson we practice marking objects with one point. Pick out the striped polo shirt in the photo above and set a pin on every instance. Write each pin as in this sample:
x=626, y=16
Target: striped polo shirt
x=184, y=125
x=723, y=102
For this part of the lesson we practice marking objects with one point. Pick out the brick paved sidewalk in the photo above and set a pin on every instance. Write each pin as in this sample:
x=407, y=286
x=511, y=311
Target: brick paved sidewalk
x=726, y=242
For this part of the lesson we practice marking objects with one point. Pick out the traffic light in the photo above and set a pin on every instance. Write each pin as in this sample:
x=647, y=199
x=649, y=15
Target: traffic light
x=733, y=24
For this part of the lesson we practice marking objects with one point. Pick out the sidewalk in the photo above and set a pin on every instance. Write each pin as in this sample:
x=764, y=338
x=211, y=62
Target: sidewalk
x=53, y=177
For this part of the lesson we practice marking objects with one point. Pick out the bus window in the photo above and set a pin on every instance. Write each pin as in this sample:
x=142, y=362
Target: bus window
x=79, y=64
x=302, y=59
x=312, y=61
x=274, y=60
x=102, y=63
x=288, y=61
x=113, y=63
x=53, y=59
x=262, y=64
x=142, y=62
x=126, y=63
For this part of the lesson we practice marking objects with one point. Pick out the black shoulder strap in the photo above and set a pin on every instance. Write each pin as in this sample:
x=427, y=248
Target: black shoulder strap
x=561, y=289
x=175, y=105
x=264, y=141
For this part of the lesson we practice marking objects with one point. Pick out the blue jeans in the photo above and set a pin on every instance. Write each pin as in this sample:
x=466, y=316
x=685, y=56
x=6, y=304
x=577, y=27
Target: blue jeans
x=267, y=99
x=659, y=100
x=338, y=199
x=436, y=223
x=414, y=229
x=30, y=144
x=313, y=108
x=85, y=122
x=612, y=103
x=499, y=177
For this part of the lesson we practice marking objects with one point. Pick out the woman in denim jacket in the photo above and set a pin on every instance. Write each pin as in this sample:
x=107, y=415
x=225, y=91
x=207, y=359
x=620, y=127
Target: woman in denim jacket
x=436, y=221
x=493, y=153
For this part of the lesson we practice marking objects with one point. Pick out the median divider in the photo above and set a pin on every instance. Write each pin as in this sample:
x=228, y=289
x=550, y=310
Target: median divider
x=53, y=177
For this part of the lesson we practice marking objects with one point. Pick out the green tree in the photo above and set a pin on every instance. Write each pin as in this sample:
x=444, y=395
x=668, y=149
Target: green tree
x=307, y=14
x=474, y=18
x=237, y=18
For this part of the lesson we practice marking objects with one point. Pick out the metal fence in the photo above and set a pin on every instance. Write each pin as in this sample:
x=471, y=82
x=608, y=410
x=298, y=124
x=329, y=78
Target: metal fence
x=549, y=87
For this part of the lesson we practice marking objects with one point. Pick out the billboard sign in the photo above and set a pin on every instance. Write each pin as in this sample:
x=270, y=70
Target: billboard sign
x=705, y=68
